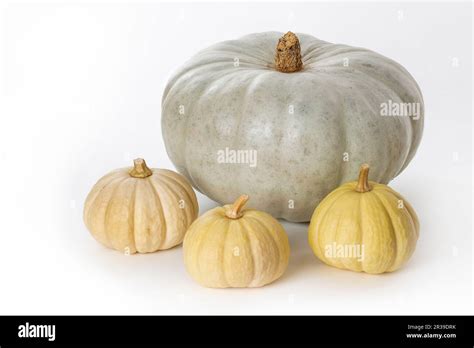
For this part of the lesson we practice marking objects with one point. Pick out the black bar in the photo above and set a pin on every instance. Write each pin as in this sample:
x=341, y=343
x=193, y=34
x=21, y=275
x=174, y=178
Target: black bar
x=311, y=330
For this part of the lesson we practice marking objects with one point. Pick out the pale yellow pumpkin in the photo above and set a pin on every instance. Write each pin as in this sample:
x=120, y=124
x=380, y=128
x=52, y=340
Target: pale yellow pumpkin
x=233, y=247
x=140, y=209
x=364, y=226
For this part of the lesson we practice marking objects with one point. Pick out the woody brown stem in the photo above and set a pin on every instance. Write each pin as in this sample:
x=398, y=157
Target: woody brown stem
x=140, y=169
x=235, y=211
x=363, y=182
x=288, y=54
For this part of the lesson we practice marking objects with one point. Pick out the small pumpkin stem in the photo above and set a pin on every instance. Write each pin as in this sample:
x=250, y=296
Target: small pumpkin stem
x=288, y=54
x=235, y=211
x=140, y=169
x=363, y=183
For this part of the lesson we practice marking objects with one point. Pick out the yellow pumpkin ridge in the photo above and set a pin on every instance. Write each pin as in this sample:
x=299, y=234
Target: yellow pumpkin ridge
x=376, y=214
x=131, y=215
x=201, y=240
x=144, y=223
x=97, y=190
x=280, y=240
x=115, y=231
x=92, y=198
x=402, y=257
x=347, y=264
x=107, y=210
x=394, y=234
x=190, y=195
x=267, y=235
x=321, y=211
x=172, y=195
x=406, y=204
x=323, y=242
x=161, y=212
x=235, y=237
x=247, y=232
x=273, y=228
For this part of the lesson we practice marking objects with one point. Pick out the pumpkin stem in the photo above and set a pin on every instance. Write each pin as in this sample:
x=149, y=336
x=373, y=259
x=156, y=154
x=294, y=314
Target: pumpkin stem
x=363, y=183
x=140, y=169
x=235, y=211
x=288, y=54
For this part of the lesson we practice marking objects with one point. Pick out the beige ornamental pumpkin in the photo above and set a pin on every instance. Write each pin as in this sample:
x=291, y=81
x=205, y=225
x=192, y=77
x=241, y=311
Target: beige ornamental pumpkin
x=140, y=209
x=364, y=226
x=234, y=247
x=287, y=119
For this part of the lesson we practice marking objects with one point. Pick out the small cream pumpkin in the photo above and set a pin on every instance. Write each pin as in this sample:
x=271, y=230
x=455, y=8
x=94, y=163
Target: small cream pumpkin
x=234, y=247
x=364, y=226
x=140, y=209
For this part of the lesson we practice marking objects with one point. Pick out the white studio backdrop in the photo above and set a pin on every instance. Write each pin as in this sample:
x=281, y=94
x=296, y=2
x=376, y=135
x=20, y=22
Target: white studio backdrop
x=80, y=89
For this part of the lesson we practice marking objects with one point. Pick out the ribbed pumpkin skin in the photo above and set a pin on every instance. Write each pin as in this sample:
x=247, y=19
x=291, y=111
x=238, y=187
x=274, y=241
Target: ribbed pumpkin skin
x=374, y=219
x=140, y=214
x=300, y=124
x=247, y=252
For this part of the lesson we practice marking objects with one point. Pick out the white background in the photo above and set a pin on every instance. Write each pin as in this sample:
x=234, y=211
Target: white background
x=80, y=90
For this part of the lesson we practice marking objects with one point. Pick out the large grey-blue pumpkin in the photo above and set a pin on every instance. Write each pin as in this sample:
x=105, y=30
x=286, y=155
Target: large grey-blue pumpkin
x=286, y=121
